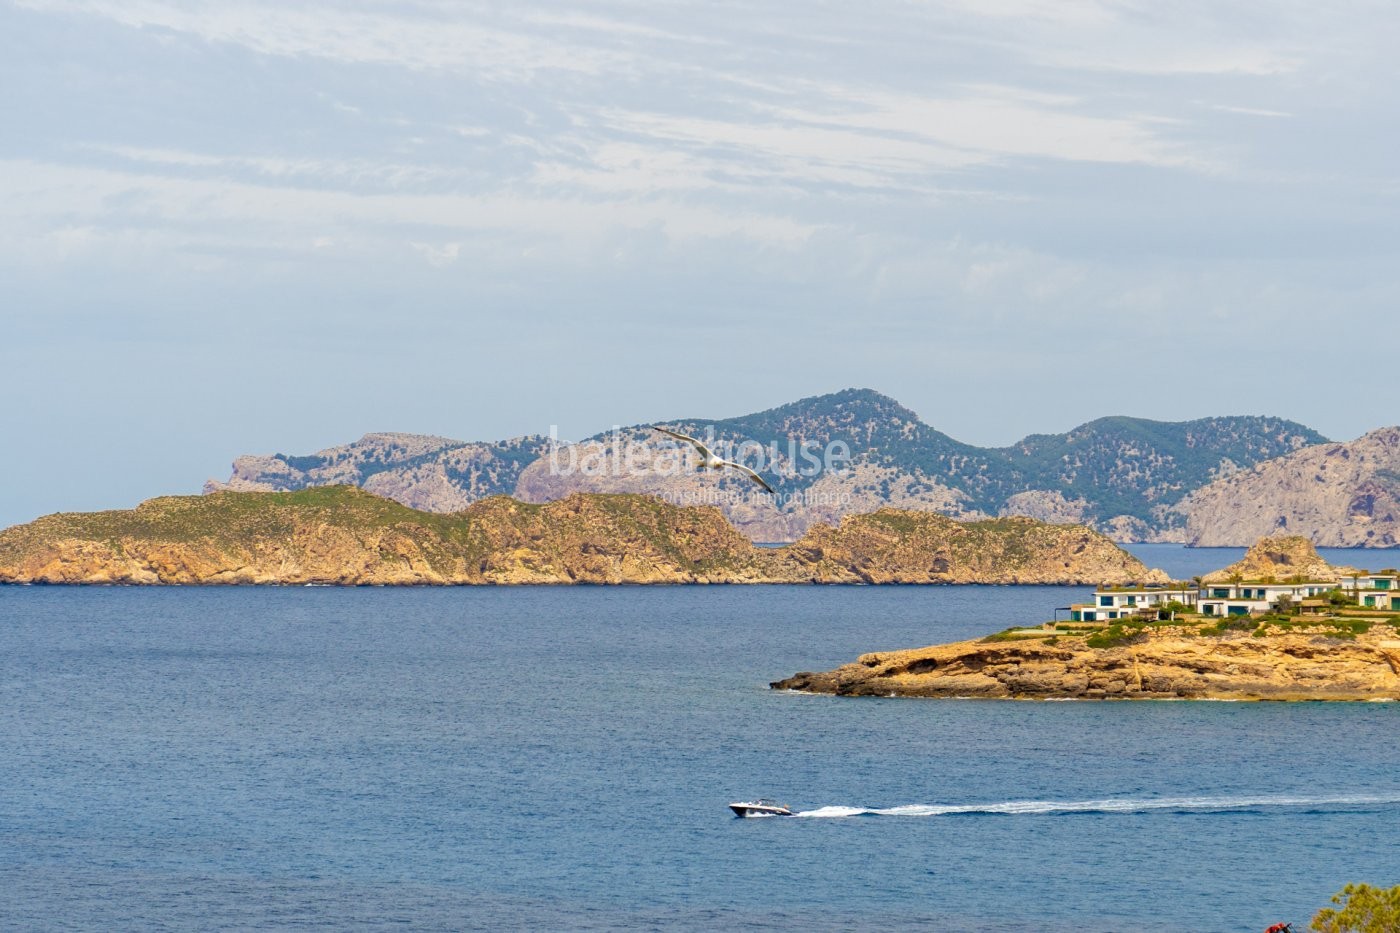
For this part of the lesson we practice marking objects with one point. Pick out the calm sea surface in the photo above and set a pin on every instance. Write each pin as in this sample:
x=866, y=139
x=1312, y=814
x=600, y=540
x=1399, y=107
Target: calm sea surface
x=560, y=758
x=1183, y=563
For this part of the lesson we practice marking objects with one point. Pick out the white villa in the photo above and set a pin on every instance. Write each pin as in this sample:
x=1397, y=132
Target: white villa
x=1370, y=590
x=1241, y=599
x=1123, y=602
x=1374, y=590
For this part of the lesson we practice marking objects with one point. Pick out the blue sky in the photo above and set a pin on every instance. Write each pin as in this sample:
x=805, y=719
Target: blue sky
x=254, y=227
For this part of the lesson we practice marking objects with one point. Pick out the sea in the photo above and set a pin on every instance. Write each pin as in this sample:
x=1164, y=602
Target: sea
x=561, y=758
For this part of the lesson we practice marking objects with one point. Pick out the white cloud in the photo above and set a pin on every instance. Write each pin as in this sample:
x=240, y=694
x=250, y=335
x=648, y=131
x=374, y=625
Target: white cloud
x=739, y=114
x=37, y=193
x=357, y=37
x=1011, y=124
x=322, y=171
x=439, y=255
x=1141, y=37
x=1249, y=111
x=610, y=27
x=804, y=152
x=1179, y=59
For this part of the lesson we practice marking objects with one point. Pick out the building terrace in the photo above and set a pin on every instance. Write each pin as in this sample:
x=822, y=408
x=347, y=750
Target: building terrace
x=1236, y=597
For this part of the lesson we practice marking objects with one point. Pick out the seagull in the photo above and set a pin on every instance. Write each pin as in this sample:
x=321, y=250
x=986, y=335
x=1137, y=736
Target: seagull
x=709, y=460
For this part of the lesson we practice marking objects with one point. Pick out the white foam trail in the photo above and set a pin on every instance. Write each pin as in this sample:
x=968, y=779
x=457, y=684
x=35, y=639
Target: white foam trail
x=835, y=811
x=1123, y=805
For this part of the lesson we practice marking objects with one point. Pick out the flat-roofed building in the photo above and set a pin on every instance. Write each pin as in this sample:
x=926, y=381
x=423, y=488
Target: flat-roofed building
x=1240, y=599
x=1122, y=602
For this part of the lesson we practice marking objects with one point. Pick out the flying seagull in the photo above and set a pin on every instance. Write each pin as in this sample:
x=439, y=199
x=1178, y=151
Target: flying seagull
x=709, y=460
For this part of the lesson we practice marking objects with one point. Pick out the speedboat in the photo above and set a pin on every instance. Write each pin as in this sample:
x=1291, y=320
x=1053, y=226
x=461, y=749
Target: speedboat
x=760, y=807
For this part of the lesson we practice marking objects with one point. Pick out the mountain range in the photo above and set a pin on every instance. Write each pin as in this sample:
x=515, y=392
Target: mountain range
x=1132, y=478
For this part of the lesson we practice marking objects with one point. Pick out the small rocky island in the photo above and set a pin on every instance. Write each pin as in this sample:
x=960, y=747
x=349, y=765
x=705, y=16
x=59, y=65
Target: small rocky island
x=1343, y=643
x=344, y=535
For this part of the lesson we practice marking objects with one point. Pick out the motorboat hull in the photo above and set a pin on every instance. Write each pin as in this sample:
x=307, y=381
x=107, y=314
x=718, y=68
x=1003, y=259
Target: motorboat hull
x=759, y=809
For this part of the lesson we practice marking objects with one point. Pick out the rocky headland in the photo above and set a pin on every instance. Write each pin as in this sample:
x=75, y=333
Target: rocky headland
x=1340, y=652
x=345, y=535
x=1161, y=664
x=1279, y=557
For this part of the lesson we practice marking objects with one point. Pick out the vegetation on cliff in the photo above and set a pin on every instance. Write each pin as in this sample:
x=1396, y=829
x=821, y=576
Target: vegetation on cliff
x=436, y=474
x=1337, y=495
x=1328, y=649
x=341, y=534
x=1116, y=465
x=1116, y=473
x=897, y=546
x=1361, y=908
x=1133, y=662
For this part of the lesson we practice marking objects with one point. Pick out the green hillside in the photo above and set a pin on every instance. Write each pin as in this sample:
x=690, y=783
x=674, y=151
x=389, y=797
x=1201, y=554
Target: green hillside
x=1119, y=465
x=1116, y=466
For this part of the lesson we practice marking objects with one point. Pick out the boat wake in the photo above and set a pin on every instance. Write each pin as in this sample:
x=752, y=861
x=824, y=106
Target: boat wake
x=1121, y=805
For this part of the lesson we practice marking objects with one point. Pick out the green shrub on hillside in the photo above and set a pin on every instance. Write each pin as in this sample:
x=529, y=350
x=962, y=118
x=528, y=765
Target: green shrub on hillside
x=1363, y=909
x=1230, y=624
x=1117, y=635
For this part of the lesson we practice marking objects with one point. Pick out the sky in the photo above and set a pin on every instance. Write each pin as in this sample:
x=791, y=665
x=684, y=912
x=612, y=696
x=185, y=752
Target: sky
x=251, y=227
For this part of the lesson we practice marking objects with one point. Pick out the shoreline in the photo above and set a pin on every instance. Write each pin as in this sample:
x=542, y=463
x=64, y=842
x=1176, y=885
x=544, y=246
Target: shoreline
x=1169, y=665
x=345, y=536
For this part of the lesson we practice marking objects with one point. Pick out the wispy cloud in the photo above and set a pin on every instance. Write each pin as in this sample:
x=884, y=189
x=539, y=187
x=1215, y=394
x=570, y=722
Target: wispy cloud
x=1249, y=111
x=1007, y=124
x=444, y=254
x=790, y=124
x=37, y=193
x=322, y=171
x=412, y=37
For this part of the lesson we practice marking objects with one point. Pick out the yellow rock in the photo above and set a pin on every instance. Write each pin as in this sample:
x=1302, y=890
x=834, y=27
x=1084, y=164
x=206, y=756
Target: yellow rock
x=1163, y=664
x=338, y=534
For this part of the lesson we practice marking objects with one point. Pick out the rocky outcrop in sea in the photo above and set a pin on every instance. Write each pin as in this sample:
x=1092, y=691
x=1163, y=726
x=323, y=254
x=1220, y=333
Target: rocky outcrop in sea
x=344, y=535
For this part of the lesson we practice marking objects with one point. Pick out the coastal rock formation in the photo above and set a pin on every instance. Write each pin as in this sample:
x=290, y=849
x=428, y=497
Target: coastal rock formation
x=829, y=456
x=1046, y=505
x=434, y=474
x=1336, y=495
x=651, y=469
x=343, y=535
x=894, y=546
x=1323, y=651
x=1162, y=664
x=1281, y=557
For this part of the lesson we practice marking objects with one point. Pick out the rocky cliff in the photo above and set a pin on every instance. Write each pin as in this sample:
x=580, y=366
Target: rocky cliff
x=1282, y=558
x=1344, y=652
x=1170, y=663
x=344, y=535
x=1336, y=495
x=435, y=474
x=895, y=546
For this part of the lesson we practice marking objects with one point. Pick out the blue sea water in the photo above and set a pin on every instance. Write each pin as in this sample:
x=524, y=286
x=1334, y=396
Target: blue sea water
x=1183, y=563
x=560, y=758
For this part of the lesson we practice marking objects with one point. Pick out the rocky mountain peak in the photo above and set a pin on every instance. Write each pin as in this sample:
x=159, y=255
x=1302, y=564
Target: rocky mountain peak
x=1337, y=494
x=1278, y=557
x=851, y=452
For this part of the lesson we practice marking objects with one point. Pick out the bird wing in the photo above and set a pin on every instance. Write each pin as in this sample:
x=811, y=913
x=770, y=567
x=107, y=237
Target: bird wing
x=751, y=475
x=704, y=451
